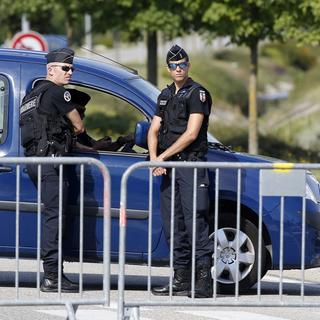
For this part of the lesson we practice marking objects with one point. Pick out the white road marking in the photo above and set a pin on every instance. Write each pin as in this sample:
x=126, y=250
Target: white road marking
x=234, y=315
x=84, y=314
x=111, y=312
x=288, y=280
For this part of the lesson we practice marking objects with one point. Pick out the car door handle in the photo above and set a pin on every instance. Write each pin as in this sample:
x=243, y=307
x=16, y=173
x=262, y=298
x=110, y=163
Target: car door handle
x=5, y=169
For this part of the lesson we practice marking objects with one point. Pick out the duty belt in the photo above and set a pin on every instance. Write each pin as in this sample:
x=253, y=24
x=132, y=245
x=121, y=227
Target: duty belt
x=190, y=156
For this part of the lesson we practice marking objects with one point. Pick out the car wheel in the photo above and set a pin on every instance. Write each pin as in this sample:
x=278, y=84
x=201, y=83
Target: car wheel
x=227, y=257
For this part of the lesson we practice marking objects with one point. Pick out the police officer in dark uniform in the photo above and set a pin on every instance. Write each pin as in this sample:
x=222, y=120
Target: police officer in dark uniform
x=85, y=142
x=178, y=132
x=48, y=123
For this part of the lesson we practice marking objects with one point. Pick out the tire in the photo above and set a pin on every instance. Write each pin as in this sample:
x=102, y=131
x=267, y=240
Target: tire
x=226, y=250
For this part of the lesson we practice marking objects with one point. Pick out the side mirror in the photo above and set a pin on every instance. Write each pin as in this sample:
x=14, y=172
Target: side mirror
x=140, y=134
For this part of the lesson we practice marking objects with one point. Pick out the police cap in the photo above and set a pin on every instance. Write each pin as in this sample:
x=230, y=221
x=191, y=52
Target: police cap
x=176, y=53
x=64, y=55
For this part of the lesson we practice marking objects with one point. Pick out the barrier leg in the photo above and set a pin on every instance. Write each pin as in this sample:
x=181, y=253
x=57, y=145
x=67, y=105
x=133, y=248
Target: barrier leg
x=71, y=309
x=132, y=313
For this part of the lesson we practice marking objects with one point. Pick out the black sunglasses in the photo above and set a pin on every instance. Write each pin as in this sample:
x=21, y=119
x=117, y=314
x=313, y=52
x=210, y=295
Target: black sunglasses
x=65, y=68
x=182, y=65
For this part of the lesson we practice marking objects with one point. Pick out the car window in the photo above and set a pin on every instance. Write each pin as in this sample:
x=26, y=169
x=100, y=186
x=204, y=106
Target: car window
x=109, y=116
x=4, y=89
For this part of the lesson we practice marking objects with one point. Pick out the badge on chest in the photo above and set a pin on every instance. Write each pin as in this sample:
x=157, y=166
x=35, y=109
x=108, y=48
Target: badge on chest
x=163, y=102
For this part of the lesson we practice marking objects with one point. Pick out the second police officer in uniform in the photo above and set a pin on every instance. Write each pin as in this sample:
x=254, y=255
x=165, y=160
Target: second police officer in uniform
x=48, y=123
x=178, y=132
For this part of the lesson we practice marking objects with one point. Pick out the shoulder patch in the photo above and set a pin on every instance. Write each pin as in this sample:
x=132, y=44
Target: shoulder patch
x=163, y=102
x=67, y=96
x=202, y=95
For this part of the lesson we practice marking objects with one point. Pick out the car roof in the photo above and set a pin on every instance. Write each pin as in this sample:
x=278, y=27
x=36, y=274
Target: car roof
x=39, y=57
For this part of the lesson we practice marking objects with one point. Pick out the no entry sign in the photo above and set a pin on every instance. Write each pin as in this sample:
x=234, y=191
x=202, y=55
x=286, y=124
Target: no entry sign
x=29, y=41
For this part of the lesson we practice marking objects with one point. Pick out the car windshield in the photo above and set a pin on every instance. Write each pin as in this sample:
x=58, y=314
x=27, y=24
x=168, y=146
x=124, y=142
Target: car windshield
x=212, y=138
x=153, y=92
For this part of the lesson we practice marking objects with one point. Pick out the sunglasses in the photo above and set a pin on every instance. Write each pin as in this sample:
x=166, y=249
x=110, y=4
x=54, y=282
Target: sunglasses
x=182, y=65
x=64, y=68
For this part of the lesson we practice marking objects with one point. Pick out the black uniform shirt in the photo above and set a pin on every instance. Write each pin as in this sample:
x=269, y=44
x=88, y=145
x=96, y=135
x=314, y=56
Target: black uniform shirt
x=56, y=100
x=199, y=102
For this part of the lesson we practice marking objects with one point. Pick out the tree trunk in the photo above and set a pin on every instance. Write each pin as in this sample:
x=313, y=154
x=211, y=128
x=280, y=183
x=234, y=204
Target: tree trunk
x=152, y=64
x=69, y=29
x=253, y=114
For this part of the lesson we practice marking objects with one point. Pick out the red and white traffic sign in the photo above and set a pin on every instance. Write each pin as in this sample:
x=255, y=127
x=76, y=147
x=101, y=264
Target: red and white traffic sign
x=29, y=41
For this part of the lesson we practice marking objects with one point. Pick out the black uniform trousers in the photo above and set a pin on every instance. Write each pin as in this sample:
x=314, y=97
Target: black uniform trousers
x=50, y=199
x=183, y=215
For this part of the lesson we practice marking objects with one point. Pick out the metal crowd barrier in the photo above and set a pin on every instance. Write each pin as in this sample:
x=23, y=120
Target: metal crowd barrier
x=271, y=184
x=71, y=304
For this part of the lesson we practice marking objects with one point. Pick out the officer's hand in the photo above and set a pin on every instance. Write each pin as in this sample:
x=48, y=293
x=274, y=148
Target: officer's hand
x=102, y=144
x=126, y=139
x=158, y=171
x=105, y=139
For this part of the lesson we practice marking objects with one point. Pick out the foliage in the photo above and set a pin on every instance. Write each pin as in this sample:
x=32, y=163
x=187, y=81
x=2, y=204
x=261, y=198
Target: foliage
x=245, y=22
x=303, y=58
x=300, y=21
x=223, y=82
x=270, y=146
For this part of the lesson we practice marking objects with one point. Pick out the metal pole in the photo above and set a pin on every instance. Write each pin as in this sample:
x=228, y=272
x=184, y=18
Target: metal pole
x=25, y=24
x=303, y=245
x=238, y=232
x=150, y=231
x=122, y=246
x=173, y=189
x=216, y=221
x=38, y=227
x=17, y=230
x=281, y=246
x=81, y=229
x=259, y=239
x=60, y=228
x=88, y=31
x=194, y=233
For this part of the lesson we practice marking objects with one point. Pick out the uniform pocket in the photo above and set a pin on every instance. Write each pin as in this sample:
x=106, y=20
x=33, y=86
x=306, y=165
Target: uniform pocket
x=181, y=111
x=27, y=132
x=203, y=191
x=202, y=199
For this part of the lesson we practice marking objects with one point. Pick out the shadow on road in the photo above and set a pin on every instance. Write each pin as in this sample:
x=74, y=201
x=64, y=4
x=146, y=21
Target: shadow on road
x=139, y=283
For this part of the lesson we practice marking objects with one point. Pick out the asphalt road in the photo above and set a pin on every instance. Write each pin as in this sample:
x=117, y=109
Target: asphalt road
x=136, y=290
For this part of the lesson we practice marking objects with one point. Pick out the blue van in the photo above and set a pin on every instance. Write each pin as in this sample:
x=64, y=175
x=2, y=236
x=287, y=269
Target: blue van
x=113, y=87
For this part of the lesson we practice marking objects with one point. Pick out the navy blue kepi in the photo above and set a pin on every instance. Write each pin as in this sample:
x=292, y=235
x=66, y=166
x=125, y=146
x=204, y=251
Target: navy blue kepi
x=176, y=53
x=64, y=55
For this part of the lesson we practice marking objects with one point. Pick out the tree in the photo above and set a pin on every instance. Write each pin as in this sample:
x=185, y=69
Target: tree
x=300, y=22
x=145, y=18
x=42, y=14
x=247, y=23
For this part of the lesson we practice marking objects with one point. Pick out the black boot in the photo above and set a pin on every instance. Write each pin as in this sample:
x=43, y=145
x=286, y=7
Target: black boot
x=180, y=284
x=203, y=286
x=50, y=283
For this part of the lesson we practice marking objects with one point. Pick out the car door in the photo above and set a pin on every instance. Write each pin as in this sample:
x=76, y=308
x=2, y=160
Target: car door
x=9, y=147
x=127, y=102
x=113, y=110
